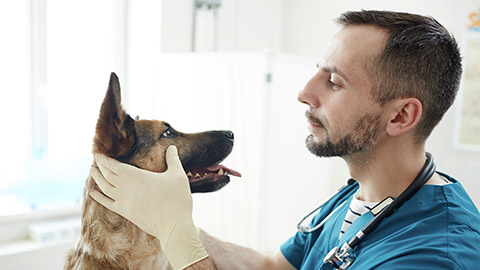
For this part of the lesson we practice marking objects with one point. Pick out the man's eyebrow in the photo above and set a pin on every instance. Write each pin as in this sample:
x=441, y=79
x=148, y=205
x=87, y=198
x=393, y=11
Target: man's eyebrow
x=334, y=70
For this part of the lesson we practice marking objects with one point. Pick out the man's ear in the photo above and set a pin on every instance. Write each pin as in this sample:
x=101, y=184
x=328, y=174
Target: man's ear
x=405, y=114
x=115, y=131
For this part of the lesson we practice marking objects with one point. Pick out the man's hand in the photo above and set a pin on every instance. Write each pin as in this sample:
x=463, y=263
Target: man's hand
x=158, y=203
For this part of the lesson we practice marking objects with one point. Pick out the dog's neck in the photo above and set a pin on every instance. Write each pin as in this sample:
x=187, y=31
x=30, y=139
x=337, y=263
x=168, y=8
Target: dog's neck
x=109, y=239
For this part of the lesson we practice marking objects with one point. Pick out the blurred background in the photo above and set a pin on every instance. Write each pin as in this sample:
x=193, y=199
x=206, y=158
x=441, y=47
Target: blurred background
x=200, y=65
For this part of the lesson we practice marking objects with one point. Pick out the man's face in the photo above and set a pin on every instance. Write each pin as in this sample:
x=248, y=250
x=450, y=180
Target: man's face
x=343, y=118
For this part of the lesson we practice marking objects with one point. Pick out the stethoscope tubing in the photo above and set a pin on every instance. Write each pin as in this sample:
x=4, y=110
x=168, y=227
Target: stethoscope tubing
x=425, y=174
x=307, y=229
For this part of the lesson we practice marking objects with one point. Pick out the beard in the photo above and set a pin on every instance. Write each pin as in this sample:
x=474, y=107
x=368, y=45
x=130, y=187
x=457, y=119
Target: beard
x=362, y=138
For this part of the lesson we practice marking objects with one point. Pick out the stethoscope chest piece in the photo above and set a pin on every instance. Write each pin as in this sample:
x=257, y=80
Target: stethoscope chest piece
x=340, y=259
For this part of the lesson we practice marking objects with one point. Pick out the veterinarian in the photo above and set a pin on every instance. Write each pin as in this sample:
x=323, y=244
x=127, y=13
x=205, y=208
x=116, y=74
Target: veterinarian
x=384, y=83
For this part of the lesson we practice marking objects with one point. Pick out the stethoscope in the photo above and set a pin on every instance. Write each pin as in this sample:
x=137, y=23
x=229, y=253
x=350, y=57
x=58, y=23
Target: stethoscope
x=342, y=258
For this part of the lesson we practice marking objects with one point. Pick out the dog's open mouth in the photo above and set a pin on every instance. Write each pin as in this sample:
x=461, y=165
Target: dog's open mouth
x=206, y=179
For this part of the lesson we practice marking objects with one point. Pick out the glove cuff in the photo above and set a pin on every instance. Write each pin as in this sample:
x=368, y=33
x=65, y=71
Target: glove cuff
x=183, y=247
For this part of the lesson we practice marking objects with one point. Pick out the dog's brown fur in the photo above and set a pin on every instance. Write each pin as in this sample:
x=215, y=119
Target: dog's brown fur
x=109, y=241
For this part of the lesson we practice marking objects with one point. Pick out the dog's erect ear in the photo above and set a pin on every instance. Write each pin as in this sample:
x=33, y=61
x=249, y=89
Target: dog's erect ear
x=115, y=131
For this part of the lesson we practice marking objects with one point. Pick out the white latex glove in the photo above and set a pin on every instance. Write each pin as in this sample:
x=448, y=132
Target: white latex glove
x=158, y=203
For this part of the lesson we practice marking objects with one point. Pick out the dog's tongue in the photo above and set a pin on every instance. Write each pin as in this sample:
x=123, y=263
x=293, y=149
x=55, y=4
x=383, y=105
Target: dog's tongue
x=215, y=168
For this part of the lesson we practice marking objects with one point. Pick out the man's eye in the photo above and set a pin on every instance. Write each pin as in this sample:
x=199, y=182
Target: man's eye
x=334, y=86
x=168, y=134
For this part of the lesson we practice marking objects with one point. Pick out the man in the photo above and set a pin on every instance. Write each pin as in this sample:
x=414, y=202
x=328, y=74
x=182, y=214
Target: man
x=384, y=83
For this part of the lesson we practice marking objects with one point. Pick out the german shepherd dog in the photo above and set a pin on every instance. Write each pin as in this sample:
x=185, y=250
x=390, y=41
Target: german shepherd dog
x=109, y=241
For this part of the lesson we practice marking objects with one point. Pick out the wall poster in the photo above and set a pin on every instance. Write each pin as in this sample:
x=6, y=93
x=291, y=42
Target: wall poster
x=468, y=116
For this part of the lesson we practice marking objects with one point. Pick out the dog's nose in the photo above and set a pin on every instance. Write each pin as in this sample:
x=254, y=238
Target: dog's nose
x=229, y=135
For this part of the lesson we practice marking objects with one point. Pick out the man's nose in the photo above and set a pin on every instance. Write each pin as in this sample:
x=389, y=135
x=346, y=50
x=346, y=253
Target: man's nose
x=302, y=97
x=308, y=95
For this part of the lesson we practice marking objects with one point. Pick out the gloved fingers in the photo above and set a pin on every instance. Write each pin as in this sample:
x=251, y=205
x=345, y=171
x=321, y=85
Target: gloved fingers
x=114, y=167
x=103, y=200
x=104, y=185
x=173, y=160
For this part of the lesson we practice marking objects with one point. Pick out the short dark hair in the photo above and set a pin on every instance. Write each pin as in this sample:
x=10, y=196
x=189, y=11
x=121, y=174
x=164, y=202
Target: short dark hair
x=420, y=59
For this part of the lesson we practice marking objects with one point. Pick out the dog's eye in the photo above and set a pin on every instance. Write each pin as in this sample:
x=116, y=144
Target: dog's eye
x=168, y=134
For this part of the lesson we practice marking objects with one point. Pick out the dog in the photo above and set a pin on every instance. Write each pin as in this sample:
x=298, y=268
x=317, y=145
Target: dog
x=109, y=241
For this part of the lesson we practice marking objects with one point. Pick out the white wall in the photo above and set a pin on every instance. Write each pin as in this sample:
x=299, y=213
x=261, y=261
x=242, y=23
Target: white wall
x=243, y=25
x=307, y=25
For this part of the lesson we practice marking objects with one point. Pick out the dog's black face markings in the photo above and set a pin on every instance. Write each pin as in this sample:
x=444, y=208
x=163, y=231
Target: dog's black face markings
x=213, y=148
x=202, y=165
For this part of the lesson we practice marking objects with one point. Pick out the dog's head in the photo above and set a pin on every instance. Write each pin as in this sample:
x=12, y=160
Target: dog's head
x=143, y=143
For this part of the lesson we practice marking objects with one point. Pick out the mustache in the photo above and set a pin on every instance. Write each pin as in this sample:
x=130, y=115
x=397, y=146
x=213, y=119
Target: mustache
x=313, y=119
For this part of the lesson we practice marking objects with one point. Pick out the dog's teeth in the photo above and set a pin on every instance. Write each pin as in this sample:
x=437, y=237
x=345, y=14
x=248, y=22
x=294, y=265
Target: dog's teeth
x=225, y=173
x=197, y=175
x=220, y=172
x=205, y=174
x=189, y=174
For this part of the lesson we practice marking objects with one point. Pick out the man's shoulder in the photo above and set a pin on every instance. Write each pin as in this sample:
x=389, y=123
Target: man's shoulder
x=443, y=223
x=460, y=208
x=430, y=231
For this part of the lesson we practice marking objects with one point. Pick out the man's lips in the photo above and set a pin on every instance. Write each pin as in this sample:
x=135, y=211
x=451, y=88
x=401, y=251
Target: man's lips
x=313, y=124
x=312, y=120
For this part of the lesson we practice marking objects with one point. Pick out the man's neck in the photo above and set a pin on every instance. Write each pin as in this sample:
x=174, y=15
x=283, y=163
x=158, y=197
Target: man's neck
x=385, y=172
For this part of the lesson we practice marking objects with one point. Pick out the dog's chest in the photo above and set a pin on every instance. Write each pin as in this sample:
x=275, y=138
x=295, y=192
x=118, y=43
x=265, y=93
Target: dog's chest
x=87, y=256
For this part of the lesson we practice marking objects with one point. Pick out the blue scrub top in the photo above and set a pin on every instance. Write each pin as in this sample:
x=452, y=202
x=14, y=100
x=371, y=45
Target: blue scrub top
x=437, y=228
